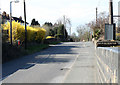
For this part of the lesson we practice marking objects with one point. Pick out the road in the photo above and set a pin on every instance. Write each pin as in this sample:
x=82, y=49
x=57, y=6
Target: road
x=52, y=65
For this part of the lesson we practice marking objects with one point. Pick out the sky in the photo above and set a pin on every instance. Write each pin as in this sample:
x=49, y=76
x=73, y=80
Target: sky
x=80, y=12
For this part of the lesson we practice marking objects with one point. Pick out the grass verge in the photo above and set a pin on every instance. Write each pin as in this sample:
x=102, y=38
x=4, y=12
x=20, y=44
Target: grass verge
x=36, y=48
x=54, y=43
x=14, y=52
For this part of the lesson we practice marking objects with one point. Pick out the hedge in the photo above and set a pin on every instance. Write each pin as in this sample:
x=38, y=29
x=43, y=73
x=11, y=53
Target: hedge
x=18, y=32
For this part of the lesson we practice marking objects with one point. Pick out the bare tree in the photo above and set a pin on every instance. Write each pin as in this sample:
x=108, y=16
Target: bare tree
x=74, y=37
x=66, y=21
x=83, y=33
x=99, y=26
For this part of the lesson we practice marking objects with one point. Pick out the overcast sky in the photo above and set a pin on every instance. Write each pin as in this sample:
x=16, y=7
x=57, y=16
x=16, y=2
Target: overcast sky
x=79, y=11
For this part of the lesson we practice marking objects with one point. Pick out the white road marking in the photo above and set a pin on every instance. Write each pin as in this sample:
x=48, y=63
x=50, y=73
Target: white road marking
x=70, y=68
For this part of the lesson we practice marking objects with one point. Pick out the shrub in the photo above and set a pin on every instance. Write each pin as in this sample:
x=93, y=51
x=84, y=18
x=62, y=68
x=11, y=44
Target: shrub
x=18, y=32
x=60, y=37
x=40, y=34
x=48, y=37
x=118, y=36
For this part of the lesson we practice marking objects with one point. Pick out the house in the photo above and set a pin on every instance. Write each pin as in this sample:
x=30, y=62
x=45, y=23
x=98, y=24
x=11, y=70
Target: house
x=19, y=19
x=5, y=18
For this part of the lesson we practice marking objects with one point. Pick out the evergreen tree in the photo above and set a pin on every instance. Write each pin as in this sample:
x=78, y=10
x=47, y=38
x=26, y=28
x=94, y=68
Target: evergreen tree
x=34, y=22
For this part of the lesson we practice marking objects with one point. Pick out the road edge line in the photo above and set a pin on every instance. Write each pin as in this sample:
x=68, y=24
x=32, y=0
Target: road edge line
x=70, y=68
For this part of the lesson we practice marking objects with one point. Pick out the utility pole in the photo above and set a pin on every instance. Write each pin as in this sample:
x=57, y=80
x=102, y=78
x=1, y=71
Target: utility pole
x=110, y=11
x=96, y=14
x=64, y=25
x=25, y=25
x=70, y=31
x=0, y=11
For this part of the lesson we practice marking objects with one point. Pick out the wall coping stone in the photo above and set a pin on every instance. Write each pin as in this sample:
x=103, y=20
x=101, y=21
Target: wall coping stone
x=113, y=49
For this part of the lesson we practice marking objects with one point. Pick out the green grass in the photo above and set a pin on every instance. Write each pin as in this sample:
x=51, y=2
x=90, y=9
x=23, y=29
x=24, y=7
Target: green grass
x=54, y=43
x=36, y=48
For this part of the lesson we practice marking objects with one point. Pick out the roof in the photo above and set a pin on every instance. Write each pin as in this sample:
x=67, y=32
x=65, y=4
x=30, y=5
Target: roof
x=19, y=20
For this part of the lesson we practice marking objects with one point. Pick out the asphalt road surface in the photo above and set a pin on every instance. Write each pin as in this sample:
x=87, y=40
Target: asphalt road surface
x=51, y=65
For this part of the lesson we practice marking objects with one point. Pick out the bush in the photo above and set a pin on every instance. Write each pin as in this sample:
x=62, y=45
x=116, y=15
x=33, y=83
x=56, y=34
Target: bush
x=60, y=37
x=50, y=40
x=118, y=36
x=18, y=32
x=40, y=34
x=97, y=34
x=48, y=37
x=11, y=52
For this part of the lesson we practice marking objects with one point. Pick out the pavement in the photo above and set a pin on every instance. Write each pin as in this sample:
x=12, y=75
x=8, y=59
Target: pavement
x=84, y=68
x=70, y=62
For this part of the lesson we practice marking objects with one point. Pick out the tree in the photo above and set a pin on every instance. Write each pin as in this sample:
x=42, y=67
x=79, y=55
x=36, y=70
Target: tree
x=51, y=32
x=60, y=34
x=4, y=17
x=83, y=33
x=48, y=24
x=34, y=23
x=65, y=21
x=55, y=30
x=74, y=37
x=61, y=29
x=99, y=26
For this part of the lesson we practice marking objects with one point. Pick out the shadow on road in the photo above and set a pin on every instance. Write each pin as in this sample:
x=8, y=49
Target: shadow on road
x=45, y=56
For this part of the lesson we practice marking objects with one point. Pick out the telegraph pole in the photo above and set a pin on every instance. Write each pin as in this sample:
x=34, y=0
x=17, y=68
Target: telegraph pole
x=0, y=11
x=64, y=18
x=25, y=25
x=110, y=11
x=96, y=14
x=70, y=31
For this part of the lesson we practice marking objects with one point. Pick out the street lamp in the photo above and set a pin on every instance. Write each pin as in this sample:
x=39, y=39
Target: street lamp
x=16, y=1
